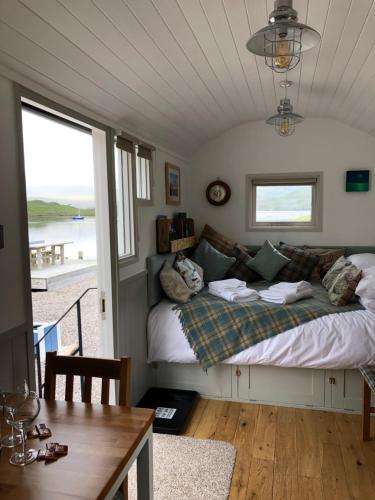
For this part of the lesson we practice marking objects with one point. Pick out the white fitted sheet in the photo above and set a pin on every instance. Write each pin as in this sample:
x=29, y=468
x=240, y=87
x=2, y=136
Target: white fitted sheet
x=343, y=340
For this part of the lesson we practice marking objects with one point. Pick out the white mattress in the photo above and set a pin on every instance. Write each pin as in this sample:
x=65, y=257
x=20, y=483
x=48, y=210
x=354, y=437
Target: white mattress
x=343, y=340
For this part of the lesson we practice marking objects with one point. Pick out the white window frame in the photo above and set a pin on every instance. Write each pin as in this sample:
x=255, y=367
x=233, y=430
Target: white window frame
x=315, y=179
x=149, y=200
x=130, y=188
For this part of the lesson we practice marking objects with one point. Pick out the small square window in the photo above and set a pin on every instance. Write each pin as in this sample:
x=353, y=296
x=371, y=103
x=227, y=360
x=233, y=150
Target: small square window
x=284, y=202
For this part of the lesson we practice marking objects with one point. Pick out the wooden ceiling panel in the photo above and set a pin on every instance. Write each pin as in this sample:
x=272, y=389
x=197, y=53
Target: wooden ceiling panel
x=178, y=71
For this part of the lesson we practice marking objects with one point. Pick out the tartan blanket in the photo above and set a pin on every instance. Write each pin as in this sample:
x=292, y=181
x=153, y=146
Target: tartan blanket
x=217, y=329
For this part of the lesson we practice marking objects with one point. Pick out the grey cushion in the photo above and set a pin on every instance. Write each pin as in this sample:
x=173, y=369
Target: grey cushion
x=174, y=285
x=268, y=261
x=214, y=263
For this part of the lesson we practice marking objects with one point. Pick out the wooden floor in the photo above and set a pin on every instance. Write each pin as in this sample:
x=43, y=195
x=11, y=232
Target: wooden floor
x=287, y=453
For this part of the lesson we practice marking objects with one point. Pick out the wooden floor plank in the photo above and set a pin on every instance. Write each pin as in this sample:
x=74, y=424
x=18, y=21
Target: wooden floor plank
x=196, y=417
x=290, y=454
x=265, y=433
x=309, y=447
x=243, y=441
x=285, y=486
x=207, y=426
x=286, y=444
x=260, y=484
x=334, y=482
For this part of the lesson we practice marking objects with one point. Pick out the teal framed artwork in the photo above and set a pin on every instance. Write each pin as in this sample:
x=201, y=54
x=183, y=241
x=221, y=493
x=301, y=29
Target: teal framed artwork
x=357, y=181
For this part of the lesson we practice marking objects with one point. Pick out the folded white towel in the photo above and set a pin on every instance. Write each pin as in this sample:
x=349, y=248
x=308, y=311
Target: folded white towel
x=239, y=296
x=284, y=297
x=299, y=286
x=229, y=284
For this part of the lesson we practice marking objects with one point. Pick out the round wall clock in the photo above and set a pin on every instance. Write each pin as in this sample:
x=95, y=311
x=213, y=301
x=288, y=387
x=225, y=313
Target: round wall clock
x=218, y=193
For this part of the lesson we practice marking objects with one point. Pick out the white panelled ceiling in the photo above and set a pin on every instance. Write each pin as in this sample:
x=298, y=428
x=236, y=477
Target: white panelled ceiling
x=178, y=72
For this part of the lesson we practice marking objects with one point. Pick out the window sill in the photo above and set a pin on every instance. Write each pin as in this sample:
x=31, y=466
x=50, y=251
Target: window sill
x=128, y=261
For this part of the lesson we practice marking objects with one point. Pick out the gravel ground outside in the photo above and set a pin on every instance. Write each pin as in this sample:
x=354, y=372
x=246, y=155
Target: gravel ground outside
x=51, y=305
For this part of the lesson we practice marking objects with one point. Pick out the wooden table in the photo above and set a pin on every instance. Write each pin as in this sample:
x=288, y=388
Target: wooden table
x=104, y=441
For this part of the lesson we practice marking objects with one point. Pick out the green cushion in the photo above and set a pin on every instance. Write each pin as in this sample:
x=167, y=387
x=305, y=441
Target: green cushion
x=268, y=261
x=214, y=263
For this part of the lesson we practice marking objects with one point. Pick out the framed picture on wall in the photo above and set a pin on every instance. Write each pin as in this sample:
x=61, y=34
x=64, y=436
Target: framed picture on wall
x=172, y=184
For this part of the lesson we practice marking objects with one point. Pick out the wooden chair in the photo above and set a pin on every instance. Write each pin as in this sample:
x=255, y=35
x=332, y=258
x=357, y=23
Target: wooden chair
x=106, y=369
x=368, y=373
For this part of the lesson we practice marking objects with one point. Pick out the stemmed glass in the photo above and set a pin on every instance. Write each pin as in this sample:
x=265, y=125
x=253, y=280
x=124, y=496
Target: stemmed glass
x=21, y=419
x=9, y=401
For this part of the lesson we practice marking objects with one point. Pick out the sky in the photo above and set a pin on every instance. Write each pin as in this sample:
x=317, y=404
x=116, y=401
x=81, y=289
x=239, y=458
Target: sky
x=58, y=162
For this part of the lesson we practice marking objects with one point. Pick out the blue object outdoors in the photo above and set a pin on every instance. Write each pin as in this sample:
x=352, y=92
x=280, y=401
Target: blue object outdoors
x=53, y=340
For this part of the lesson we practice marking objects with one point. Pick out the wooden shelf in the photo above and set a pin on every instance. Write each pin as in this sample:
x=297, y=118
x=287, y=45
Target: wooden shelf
x=182, y=244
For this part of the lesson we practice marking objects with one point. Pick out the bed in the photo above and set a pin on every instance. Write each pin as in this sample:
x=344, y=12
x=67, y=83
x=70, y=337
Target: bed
x=313, y=364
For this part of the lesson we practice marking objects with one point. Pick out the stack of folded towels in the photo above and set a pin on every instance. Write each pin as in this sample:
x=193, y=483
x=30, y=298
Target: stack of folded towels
x=287, y=293
x=232, y=290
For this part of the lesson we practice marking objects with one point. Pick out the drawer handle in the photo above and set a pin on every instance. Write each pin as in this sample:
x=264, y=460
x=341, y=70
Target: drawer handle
x=332, y=380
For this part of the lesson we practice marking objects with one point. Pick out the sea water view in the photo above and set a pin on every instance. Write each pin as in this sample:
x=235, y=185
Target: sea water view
x=82, y=234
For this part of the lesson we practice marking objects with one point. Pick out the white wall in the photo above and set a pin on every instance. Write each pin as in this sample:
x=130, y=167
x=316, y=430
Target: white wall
x=147, y=214
x=317, y=145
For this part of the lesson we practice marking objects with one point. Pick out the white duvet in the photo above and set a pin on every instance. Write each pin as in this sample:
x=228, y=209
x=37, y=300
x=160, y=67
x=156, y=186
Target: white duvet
x=343, y=340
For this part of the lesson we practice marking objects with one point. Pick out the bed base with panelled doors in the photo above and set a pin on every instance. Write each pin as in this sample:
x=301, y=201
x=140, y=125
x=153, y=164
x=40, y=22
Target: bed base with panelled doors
x=335, y=390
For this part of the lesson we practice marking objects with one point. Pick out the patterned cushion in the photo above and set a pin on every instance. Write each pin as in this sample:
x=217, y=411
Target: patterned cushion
x=240, y=269
x=344, y=285
x=300, y=265
x=368, y=373
x=327, y=257
x=217, y=240
x=174, y=285
x=191, y=272
x=335, y=270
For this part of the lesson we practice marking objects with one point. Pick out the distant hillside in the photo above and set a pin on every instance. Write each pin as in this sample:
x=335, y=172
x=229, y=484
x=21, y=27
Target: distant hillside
x=284, y=198
x=39, y=208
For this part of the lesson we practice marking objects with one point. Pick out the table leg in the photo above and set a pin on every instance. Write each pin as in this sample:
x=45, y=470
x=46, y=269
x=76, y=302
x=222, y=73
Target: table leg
x=145, y=482
x=39, y=258
x=53, y=254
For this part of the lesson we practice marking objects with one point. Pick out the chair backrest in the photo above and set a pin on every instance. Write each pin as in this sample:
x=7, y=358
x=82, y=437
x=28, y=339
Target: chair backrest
x=106, y=369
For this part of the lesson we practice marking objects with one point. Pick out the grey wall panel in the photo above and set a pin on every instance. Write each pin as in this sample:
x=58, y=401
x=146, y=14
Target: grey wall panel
x=133, y=312
x=14, y=366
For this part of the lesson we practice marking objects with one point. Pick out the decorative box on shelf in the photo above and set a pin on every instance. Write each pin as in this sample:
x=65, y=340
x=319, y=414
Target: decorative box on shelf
x=174, y=235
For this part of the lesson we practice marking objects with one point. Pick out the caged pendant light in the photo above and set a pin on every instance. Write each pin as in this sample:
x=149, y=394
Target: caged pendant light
x=285, y=120
x=284, y=39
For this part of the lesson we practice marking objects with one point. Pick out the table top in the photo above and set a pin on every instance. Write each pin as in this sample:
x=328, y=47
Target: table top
x=101, y=439
x=38, y=246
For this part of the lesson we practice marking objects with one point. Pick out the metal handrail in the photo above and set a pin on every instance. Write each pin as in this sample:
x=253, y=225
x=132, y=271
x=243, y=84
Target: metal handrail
x=79, y=349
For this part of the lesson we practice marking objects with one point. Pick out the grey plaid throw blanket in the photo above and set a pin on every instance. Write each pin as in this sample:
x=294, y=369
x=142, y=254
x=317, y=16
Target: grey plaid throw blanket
x=217, y=329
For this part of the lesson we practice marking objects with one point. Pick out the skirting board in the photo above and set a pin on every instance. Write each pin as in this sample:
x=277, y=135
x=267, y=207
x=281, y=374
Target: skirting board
x=334, y=390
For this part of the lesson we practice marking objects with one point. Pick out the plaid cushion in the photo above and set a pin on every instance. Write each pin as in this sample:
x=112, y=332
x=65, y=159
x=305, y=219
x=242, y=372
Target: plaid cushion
x=239, y=269
x=327, y=257
x=343, y=287
x=368, y=373
x=217, y=240
x=300, y=267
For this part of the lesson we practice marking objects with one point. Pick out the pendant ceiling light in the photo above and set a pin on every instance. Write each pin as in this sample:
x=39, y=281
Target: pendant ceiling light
x=284, y=39
x=285, y=120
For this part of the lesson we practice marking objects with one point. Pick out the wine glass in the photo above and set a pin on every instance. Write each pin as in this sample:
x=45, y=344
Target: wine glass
x=21, y=419
x=9, y=401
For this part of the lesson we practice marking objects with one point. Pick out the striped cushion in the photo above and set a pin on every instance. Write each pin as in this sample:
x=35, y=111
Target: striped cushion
x=300, y=267
x=368, y=373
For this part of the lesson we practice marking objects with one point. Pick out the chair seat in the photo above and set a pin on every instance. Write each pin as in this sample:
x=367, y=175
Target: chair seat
x=368, y=373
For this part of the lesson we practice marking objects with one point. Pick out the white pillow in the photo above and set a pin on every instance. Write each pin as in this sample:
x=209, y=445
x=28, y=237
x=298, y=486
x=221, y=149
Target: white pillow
x=362, y=260
x=369, y=304
x=366, y=287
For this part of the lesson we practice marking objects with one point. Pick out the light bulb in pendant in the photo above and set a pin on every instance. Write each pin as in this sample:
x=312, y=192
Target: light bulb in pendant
x=283, y=51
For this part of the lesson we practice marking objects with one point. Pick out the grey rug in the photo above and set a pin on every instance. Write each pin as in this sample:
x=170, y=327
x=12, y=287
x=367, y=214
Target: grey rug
x=189, y=469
